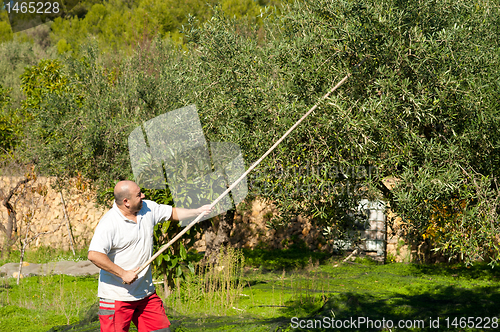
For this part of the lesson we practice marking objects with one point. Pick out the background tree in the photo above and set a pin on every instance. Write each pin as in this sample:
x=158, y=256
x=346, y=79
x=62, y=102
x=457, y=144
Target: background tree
x=119, y=26
x=5, y=28
x=15, y=55
x=420, y=108
x=9, y=228
x=9, y=125
x=416, y=110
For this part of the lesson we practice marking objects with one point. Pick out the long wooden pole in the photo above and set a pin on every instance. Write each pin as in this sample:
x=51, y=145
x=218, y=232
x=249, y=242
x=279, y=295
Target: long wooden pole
x=164, y=247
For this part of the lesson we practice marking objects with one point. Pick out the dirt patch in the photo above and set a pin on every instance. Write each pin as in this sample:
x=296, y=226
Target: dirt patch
x=80, y=268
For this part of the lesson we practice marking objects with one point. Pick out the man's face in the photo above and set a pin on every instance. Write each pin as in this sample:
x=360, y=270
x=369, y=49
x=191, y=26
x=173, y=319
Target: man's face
x=135, y=200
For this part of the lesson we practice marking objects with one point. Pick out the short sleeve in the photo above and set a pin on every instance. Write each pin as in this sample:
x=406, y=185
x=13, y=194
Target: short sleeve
x=102, y=241
x=160, y=212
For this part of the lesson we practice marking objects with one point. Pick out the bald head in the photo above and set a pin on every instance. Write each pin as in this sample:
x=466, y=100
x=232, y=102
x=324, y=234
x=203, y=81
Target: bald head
x=124, y=190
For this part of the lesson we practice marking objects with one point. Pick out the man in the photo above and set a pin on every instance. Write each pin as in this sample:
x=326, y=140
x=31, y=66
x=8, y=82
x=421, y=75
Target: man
x=122, y=242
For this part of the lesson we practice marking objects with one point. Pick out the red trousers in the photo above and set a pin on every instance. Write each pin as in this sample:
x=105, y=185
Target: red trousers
x=147, y=314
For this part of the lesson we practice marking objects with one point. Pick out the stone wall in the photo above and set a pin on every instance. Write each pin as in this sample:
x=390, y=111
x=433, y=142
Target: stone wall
x=38, y=205
x=397, y=249
x=250, y=230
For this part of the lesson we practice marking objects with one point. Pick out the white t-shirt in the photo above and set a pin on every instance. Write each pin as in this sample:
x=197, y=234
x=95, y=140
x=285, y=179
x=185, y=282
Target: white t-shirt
x=128, y=245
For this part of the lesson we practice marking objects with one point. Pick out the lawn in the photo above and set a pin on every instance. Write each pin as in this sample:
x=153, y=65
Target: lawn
x=280, y=294
x=40, y=302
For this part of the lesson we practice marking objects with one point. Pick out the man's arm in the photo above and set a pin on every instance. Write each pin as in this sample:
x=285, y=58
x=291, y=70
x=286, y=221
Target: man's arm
x=103, y=262
x=181, y=213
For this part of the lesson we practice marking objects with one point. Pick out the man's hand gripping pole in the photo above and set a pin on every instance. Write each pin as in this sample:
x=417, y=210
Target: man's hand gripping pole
x=188, y=227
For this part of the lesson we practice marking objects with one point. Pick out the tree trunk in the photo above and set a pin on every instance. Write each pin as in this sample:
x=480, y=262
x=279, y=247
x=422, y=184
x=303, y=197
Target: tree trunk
x=217, y=235
x=11, y=226
x=166, y=288
x=209, y=229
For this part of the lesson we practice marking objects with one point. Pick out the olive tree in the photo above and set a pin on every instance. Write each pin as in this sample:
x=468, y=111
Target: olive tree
x=421, y=109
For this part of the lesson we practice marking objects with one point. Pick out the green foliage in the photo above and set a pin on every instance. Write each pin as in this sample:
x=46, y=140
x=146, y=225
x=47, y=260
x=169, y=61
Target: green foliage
x=10, y=123
x=214, y=289
x=421, y=108
x=113, y=23
x=240, y=9
x=120, y=26
x=4, y=97
x=44, y=78
x=14, y=57
x=6, y=128
x=170, y=15
x=63, y=46
x=169, y=263
x=256, y=84
x=79, y=129
x=173, y=263
x=5, y=28
x=390, y=259
x=417, y=108
x=432, y=98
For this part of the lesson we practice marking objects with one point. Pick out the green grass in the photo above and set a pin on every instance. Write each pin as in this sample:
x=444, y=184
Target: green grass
x=408, y=292
x=360, y=289
x=41, y=302
x=297, y=257
x=267, y=299
x=45, y=255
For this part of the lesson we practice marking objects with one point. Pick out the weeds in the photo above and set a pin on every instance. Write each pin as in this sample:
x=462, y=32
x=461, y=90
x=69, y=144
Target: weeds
x=214, y=289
